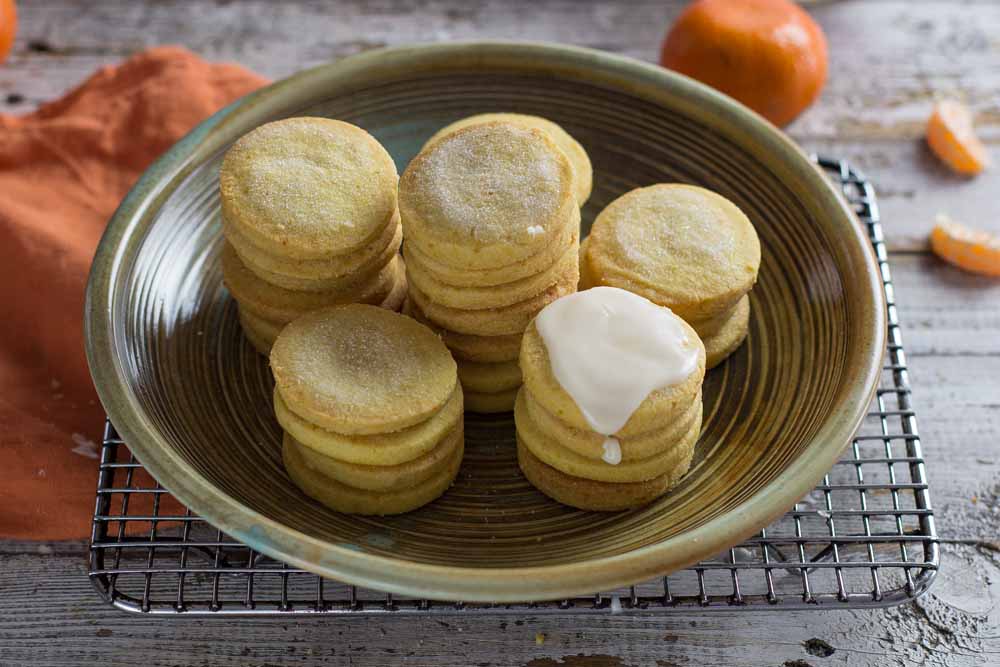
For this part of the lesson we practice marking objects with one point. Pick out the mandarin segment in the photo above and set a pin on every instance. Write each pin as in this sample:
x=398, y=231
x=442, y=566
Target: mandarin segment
x=952, y=137
x=970, y=249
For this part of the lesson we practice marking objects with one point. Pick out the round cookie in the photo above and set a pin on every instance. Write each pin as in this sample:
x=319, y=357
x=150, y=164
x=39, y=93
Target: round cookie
x=729, y=337
x=260, y=342
x=590, y=444
x=343, y=498
x=360, y=370
x=488, y=378
x=278, y=304
x=296, y=275
x=397, y=295
x=487, y=196
x=260, y=332
x=469, y=347
x=588, y=494
x=680, y=246
x=379, y=449
x=508, y=320
x=583, y=172
x=382, y=478
x=711, y=326
x=552, y=453
x=501, y=401
x=473, y=277
x=308, y=188
x=496, y=296
x=659, y=408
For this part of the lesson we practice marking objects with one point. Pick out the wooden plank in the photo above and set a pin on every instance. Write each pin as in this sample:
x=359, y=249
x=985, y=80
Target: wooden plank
x=889, y=59
x=945, y=311
x=49, y=615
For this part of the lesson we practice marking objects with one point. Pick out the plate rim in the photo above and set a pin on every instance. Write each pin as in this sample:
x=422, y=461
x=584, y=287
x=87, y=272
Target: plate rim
x=421, y=580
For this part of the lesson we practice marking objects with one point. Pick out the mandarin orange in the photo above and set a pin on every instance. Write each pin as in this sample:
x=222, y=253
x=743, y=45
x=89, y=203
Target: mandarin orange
x=8, y=26
x=768, y=54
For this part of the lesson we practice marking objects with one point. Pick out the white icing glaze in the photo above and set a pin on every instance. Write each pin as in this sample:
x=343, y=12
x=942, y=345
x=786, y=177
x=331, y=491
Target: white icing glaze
x=612, y=451
x=610, y=348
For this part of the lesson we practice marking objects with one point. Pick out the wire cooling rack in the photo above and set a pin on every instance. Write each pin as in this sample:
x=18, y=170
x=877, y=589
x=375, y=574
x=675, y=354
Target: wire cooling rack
x=864, y=537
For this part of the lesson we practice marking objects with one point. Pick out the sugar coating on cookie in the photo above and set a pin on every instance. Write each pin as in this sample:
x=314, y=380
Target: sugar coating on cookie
x=583, y=172
x=362, y=369
x=308, y=187
x=487, y=195
x=679, y=245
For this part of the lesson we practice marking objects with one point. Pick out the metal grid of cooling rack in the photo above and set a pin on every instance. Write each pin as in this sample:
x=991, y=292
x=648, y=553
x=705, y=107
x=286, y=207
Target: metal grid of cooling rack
x=864, y=537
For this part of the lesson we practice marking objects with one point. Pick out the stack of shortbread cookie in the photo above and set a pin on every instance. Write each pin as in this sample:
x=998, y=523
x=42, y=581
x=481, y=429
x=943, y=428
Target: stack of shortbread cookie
x=310, y=219
x=683, y=247
x=371, y=407
x=611, y=407
x=492, y=224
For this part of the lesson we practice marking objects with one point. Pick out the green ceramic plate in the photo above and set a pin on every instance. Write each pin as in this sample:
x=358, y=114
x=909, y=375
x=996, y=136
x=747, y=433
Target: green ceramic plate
x=192, y=399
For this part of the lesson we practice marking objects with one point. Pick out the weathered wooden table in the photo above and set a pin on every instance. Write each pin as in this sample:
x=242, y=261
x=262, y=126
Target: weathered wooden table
x=888, y=61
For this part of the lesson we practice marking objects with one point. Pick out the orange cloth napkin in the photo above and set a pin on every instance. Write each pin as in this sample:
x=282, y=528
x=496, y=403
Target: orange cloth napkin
x=63, y=170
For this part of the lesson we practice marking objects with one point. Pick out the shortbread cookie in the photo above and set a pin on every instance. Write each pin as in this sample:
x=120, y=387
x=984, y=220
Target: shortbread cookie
x=588, y=494
x=308, y=188
x=391, y=478
x=501, y=401
x=379, y=449
x=658, y=409
x=342, y=498
x=278, y=304
x=583, y=172
x=590, y=445
x=550, y=451
x=508, y=320
x=487, y=196
x=360, y=370
x=489, y=378
x=461, y=276
x=495, y=296
x=300, y=275
x=728, y=338
x=469, y=347
x=680, y=246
